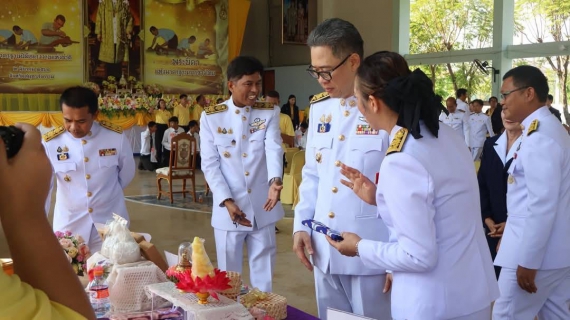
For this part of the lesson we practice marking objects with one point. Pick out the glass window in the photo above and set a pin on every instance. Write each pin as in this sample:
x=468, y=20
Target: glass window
x=538, y=21
x=446, y=25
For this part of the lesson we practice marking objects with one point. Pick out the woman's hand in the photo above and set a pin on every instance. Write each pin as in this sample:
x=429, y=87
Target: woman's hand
x=360, y=184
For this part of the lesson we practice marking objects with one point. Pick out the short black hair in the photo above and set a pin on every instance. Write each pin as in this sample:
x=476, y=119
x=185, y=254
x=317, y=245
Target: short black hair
x=199, y=97
x=304, y=125
x=550, y=97
x=153, y=28
x=244, y=66
x=460, y=92
x=340, y=35
x=192, y=38
x=479, y=101
x=173, y=119
x=273, y=94
x=182, y=96
x=79, y=97
x=16, y=28
x=151, y=124
x=60, y=17
x=192, y=123
x=493, y=97
x=530, y=77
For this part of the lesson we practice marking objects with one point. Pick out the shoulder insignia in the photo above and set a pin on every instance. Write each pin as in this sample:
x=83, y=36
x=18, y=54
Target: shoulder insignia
x=261, y=105
x=320, y=97
x=533, y=127
x=461, y=110
x=398, y=141
x=111, y=126
x=53, y=133
x=216, y=109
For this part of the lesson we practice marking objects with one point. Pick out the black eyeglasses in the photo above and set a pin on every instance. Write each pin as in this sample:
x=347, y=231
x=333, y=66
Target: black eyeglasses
x=326, y=75
x=505, y=94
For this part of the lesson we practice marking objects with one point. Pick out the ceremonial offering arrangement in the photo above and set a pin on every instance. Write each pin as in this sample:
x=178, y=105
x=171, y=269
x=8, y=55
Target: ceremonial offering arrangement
x=75, y=249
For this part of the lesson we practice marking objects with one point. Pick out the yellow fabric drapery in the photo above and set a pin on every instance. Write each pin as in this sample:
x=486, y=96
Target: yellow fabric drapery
x=237, y=18
x=54, y=119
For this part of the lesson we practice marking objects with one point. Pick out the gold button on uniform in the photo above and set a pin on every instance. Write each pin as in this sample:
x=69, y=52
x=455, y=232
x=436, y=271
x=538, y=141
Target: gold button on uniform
x=337, y=163
x=247, y=173
x=89, y=194
x=243, y=137
x=331, y=215
x=226, y=154
x=89, y=134
x=334, y=189
x=346, y=113
x=341, y=137
x=86, y=159
x=243, y=118
x=237, y=111
x=90, y=210
x=248, y=190
x=87, y=176
x=83, y=141
x=244, y=155
x=247, y=109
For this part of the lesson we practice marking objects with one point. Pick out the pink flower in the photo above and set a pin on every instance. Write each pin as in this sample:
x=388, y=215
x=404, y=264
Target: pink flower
x=59, y=234
x=79, y=239
x=84, y=251
x=66, y=243
x=79, y=258
x=68, y=233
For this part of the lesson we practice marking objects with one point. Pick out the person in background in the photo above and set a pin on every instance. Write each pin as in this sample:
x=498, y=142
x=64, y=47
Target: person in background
x=479, y=127
x=497, y=121
x=195, y=132
x=496, y=159
x=535, y=274
x=292, y=110
x=27, y=38
x=170, y=133
x=92, y=163
x=301, y=136
x=204, y=50
x=461, y=98
x=339, y=134
x=553, y=110
x=427, y=195
x=52, y=35
x=185, y=47
x=44, y=285
x=182, y=112
x=7, y=37
x=493, y=103
x=198, y=107
x=161, y=117
x=148, y=159
x=457, y=119
x=170, y=39
x=307, y=110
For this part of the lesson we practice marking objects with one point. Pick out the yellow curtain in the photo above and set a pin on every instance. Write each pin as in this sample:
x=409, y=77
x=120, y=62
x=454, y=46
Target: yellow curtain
x=29, y=102
x=238, y=11
x=54, y=119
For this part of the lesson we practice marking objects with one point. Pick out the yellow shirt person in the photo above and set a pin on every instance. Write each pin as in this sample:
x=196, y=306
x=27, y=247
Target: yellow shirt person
x=196, y=112
x=286, y=128
x=162, y=116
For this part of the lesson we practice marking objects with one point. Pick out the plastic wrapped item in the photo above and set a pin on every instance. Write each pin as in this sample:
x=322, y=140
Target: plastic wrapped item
x=119, y=246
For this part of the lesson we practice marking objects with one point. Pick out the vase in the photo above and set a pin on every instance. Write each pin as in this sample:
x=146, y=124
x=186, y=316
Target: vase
x=202, y=297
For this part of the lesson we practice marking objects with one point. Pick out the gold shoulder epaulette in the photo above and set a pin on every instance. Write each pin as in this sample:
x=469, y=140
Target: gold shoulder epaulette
x=111, y=126
x=261, y=105
x=533, y=127
x=215, y=109
x=53, y=133
x=398, y=142
x=320, y=97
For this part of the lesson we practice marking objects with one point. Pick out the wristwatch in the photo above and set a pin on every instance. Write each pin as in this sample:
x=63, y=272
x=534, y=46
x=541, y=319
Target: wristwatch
x=223, y=203
x=276, y=179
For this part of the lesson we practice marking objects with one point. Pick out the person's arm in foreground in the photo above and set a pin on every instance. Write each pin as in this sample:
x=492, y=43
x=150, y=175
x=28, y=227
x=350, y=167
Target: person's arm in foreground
x=39, y=260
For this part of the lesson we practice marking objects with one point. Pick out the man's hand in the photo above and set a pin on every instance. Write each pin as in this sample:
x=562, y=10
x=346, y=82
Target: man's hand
x=274, y=195
x=302, y=242
x=499, y=230
x=61, y=33
x=525, y=279
x=346, y=247
x=388, y=283
x=491, y=225
x=360, y=184
x=236, y=214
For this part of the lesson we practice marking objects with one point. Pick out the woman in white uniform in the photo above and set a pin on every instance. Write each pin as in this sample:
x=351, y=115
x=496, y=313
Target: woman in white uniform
x=427, y=195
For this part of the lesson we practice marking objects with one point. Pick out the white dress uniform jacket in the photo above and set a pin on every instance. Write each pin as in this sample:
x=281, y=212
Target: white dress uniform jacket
x=458, y=121
x=479, y=126
x=339, y=134
x=437, y=251
x=91, y=174
x=146, y=147
x=461, y=105
x=241, y=151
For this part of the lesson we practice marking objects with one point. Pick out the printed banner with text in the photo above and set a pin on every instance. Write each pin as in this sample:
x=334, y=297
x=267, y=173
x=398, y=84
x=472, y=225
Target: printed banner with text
x=41, y=45
x=186, y=45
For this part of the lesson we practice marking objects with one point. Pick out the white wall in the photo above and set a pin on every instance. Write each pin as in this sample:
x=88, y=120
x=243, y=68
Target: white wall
x=295, y=80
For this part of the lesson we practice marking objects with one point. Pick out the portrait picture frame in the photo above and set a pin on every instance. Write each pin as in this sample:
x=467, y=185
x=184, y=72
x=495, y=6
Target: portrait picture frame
x=296, y=20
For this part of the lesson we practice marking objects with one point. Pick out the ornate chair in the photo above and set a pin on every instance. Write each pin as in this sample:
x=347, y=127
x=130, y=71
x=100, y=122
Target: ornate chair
x=181, y=166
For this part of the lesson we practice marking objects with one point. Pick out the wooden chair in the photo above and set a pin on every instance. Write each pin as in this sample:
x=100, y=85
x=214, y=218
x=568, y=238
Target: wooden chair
x=181, y=166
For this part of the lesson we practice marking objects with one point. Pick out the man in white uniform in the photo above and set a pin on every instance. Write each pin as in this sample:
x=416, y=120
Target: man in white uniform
x=242, y=161
x=479, y=127
x=457, y=119
x=93, y=162
x=461, y=95
x=535, y=247
x=339, y=134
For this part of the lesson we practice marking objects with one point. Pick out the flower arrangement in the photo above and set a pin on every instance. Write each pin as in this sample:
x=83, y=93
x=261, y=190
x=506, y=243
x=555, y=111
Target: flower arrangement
x=76, y=250
x=93, y=86
x=110, y=85
x=127, y=106
x=153, y=90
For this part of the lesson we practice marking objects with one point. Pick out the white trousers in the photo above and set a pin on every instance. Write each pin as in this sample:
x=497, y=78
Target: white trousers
x=549, y=302
x=360, y=295
x=476, y=153
x=95, y=241
x=261, y=250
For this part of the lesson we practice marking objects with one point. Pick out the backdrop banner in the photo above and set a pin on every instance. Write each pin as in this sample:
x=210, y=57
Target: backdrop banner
x=41, y=45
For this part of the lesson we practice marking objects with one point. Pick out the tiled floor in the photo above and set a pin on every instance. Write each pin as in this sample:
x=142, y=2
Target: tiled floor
x=169, y=226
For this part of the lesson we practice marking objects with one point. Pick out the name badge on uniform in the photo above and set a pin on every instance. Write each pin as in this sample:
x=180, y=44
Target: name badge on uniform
x=325, y=125
x=62, y=154
x=257, y=125
x=365, y=129
x=107, y=152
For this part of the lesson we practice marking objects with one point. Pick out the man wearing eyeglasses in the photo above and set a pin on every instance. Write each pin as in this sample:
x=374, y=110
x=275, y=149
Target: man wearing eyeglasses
x=338, y=133
x=535, y=247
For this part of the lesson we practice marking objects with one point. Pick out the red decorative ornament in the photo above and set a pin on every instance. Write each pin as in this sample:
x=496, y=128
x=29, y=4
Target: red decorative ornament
x=218, y=282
